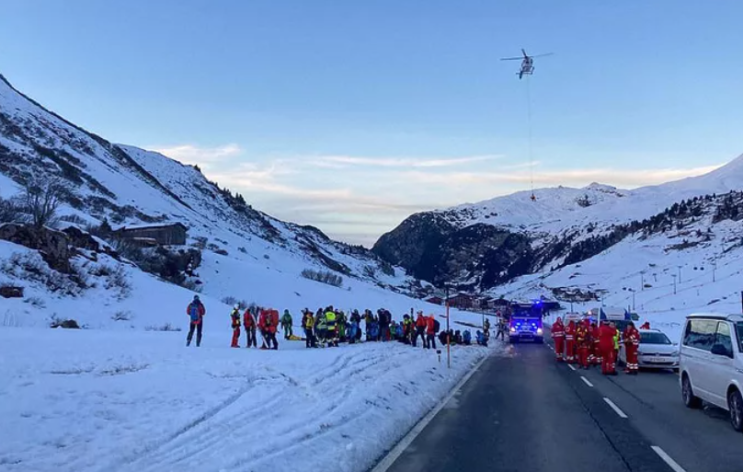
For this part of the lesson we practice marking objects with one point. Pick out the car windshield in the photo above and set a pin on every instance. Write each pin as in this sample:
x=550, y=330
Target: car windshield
x=654, y=338
x=739, y=329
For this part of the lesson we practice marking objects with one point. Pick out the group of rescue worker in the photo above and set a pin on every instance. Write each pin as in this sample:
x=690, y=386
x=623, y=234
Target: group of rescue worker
x=585, y=343
x=329, y=326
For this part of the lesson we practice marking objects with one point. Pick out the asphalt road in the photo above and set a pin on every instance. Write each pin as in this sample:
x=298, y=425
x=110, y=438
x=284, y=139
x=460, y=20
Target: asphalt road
x=526, y=413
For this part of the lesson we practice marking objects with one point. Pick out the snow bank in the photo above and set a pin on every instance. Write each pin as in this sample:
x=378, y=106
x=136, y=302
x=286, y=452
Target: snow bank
x=142, y=401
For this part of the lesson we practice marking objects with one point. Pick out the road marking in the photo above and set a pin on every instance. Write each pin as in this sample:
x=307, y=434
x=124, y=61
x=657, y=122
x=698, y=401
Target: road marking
x=615, y=408
x=570, y=365
x=671, y=463
x=586, y=381
x=550, y=346
x=387, y=461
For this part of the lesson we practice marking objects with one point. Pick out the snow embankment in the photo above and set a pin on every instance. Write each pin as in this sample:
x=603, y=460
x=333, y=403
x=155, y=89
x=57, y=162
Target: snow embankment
x=141, y=401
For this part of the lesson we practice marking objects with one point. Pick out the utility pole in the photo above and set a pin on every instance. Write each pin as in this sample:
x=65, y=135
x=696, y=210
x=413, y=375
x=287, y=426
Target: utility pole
x=679, y=272
x=633, y=298
x=448, y=339
x=714, y=270
x=642, y=280
x=674, y=284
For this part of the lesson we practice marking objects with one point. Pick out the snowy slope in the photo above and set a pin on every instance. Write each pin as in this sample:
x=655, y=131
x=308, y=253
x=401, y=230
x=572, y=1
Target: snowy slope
x=640, y=273
x=557, y=209
x=130, y=401
x=125, y=394
x=130, y=186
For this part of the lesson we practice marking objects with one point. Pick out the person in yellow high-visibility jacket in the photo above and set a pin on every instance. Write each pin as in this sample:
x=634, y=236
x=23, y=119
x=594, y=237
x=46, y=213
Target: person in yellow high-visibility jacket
x=331, y=327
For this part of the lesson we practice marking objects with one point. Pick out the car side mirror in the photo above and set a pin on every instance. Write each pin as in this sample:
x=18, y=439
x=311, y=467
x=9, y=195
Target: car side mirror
x=720, y=350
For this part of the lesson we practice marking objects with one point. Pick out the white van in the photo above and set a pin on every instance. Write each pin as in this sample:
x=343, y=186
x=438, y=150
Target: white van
x=711, y=363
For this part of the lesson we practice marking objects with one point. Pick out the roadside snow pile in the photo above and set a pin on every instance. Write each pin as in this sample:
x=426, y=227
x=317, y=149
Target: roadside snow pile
x=140, y=401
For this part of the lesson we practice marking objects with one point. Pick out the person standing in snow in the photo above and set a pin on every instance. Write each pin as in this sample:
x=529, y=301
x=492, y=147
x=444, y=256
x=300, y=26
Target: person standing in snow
x=420, y=330
x=235, y=316
x=331, y=328
x=502, y=328
x=432, y=326
x=286, y=324
x=268, y=323
x=196, y=312
x=249, y=324
x=308, y=324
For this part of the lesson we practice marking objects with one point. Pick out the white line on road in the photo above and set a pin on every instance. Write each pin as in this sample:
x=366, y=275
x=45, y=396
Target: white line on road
x=615, y=408
x=672, y=463
x=550, y=346
x=401, y=446
x=586, y=381
x=571, y=366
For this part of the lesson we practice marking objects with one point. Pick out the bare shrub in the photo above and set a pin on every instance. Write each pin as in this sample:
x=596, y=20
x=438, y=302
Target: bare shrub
x=122, y=316
x=35, y=302
x=323, y=276
x=41, y=198
x=165, y=327
x=232, y=301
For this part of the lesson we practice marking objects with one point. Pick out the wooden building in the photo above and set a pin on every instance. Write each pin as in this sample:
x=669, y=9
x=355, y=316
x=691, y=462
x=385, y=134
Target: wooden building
x=148, y=235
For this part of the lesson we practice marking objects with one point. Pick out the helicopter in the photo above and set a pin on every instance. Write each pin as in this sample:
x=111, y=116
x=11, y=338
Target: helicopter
x=527, y=62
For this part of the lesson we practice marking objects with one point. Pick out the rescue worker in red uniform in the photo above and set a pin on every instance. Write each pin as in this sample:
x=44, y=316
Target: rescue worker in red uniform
x=235, y=315
x=558, y=336
x=570, y=342
x=606, y=343
x=631, y=345
x=249, y=325
x=268, y=322
x=581, y=338
x=595, y=341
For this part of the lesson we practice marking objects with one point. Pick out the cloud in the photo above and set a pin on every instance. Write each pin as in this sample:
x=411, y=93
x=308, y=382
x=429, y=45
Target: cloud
x=580, y=177
x=344, y=161
x=203, y=156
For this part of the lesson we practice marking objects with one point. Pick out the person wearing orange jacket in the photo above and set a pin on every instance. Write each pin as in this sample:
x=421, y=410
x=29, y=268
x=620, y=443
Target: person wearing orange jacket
x=420, y=329
x=606, y=343
x=631, y=345
x=235, y=316
x=570, y=342
x=558, y=336
x=249, y=324
x=581, y=339
x=268, y=322
x=595, y=341
x=430, y=332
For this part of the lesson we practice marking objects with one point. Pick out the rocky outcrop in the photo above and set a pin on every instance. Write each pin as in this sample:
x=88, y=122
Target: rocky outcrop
x=475, y=257
x=408, y=244
x=52, y=245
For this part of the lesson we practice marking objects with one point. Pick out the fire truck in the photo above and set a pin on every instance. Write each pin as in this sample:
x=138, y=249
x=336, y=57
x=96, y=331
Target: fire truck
x=525, y=322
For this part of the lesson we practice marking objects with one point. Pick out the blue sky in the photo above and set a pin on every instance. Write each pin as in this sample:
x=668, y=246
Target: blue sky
x=351, y=115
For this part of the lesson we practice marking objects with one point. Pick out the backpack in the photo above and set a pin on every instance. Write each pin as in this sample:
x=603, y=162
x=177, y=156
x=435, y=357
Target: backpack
x=436, y=326
x=193, y=312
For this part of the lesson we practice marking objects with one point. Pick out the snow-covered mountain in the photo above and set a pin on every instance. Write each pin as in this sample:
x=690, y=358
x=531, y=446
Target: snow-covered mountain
x=483, y=245
x=245, y=253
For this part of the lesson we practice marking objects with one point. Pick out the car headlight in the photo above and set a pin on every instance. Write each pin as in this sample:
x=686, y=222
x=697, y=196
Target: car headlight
x=675, y=354
x=513, y=330
x=539, y=330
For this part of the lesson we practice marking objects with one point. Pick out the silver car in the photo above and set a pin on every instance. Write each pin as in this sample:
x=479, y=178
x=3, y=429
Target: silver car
x=656, y=351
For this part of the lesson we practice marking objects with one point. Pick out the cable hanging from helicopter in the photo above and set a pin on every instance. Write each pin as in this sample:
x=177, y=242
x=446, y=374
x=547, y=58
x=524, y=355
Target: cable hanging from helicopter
x=527, y=69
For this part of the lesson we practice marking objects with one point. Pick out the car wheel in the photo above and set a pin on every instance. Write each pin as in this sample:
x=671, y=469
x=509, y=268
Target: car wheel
x=687, y=394
x=735, y=406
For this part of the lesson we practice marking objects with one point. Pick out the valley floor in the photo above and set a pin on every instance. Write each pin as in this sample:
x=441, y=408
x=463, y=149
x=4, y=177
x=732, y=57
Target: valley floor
x=141, y=401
